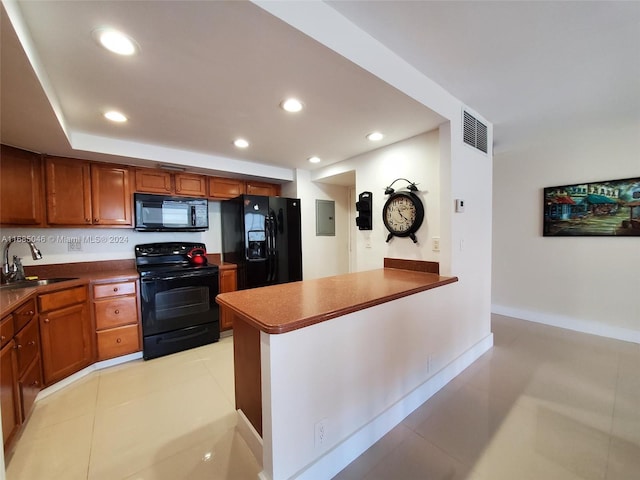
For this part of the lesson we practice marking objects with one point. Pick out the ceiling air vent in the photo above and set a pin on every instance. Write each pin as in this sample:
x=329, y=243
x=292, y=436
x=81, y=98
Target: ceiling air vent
x=474, y=132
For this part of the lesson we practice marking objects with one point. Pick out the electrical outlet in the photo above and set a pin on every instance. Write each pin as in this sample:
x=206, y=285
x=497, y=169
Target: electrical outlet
x=436, y=244
x=320, y=432
x=74, y=247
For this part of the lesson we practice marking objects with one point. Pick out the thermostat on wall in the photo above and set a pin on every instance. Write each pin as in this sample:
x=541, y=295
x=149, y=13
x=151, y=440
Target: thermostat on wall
x=459, y=205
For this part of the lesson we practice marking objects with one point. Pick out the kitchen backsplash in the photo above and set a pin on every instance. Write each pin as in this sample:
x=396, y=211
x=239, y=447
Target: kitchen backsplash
x=62, y=245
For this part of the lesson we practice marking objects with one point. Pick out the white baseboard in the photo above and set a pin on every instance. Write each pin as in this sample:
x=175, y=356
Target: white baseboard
x=351, y=448
x=65, y=382
x=569, y=323
x=251, y=437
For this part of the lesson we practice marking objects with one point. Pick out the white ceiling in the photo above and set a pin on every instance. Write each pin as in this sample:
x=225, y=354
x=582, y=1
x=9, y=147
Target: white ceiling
x=532, y=68
x=210, y=71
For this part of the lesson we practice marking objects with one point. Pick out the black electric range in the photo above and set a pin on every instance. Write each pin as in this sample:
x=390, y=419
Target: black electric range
x=177, y=293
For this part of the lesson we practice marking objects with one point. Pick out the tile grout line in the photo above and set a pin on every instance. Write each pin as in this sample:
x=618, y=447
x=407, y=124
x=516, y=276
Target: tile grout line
x=613, y=413
x=93, y=426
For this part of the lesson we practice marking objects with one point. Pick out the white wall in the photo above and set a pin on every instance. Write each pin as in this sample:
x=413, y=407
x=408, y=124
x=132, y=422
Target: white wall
x=374, y=373
x=583, y=283
x=103, y=243
x=322, y=256
x=416, y=159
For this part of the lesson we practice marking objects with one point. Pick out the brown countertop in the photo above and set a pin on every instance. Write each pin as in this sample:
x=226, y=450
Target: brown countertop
x=290, y=306
x=10, y=298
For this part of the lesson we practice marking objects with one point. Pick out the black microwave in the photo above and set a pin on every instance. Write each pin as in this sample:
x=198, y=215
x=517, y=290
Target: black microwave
x=160, y=213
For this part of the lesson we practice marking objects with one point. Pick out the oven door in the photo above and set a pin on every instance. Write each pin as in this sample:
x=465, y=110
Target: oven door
x=176, y=302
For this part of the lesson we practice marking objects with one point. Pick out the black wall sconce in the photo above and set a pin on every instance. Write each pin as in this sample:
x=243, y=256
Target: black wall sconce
x=364, y=208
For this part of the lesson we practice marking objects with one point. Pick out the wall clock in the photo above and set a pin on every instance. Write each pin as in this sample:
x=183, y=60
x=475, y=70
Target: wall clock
x=402, y=214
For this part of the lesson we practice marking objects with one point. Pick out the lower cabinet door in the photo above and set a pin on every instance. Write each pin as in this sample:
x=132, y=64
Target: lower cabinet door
x=118, y=341
x=8, y=394
x=66, y=342
x=30, y=385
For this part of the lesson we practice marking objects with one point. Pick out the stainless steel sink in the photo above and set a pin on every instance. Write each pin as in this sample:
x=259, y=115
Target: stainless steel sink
x=35, y=283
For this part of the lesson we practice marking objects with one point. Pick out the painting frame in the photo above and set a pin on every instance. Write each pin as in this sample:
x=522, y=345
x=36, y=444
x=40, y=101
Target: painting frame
x=608, y=208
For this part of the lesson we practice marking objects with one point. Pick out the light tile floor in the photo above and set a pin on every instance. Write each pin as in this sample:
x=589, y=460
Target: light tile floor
x=544, y=404
x=169, y=418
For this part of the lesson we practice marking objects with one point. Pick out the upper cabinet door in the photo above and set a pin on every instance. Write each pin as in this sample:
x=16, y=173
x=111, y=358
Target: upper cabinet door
x=260, y=188
x=149, y=180
x=225, y=187
x=21, y=188
x=110, y=195
x=68, y=191
x=191, y=185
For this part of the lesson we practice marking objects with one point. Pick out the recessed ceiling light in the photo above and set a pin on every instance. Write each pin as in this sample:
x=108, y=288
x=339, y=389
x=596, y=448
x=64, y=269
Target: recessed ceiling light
x=115, y=41
x=375, y=136
x=241, y=143
x=115, y=116
x=314, y=159
x=292, y=105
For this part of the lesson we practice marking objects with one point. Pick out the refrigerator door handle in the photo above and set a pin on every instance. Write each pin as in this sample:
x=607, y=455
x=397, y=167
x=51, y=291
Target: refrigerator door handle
x=272, y=253
x=274, y=256
x=269, y=235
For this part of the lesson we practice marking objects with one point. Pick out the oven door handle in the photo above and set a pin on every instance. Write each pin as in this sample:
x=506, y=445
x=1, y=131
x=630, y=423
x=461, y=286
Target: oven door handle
x=179, y=277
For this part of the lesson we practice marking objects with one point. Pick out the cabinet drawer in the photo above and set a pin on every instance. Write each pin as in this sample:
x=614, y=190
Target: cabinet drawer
x=63, y=298
x=118, y=341
x=30, y=384
x=6, y=330
x=115, y=312
x=114, y=289
x=28, y=345
x=24, y=313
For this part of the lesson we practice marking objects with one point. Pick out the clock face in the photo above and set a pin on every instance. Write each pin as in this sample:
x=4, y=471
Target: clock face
x=400, y=214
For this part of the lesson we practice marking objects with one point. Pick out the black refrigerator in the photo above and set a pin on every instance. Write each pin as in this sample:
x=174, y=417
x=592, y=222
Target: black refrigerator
x=262, y=236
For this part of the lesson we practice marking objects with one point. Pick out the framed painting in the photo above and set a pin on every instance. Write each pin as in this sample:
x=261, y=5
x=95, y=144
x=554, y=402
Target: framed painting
x=607, y=208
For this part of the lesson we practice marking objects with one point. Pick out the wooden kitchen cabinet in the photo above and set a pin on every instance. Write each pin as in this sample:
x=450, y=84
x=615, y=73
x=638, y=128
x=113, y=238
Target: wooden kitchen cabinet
x=65, y=331
x=6, y=330
x=29, y=386
x=190, y=185
x=21, y=187
x=110, y=195
x=115, y=307
x=82, y=193
x=24, y=314
x=261, y=188
x=20, y=365
x=9, y=406
x=150, y=180
x=68, y=191
x=223, y=188
x=27, y=343
x=228, y=283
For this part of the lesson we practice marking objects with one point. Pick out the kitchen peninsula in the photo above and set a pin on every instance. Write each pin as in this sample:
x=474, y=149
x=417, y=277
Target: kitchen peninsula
x=317, y=361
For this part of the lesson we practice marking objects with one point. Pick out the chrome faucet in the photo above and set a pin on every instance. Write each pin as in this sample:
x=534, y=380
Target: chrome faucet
x=15, y=271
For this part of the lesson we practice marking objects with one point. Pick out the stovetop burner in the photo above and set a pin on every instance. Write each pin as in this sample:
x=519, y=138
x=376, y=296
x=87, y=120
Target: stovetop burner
x=171, y=258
